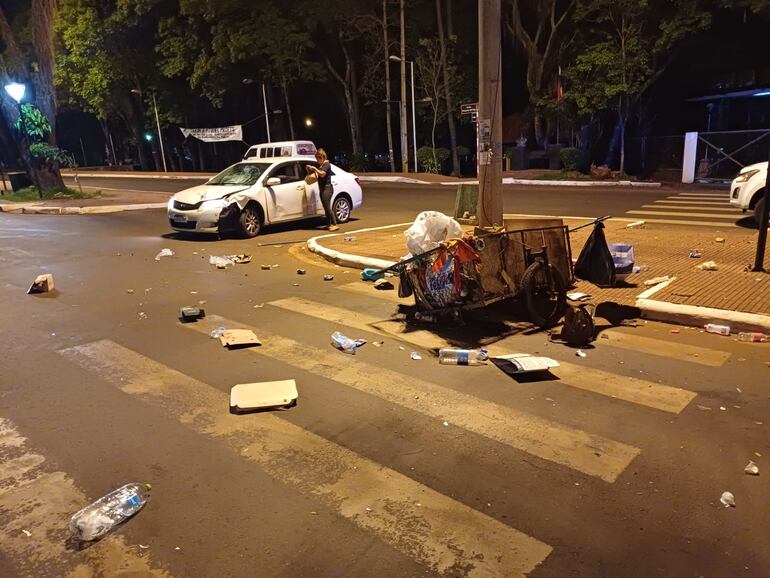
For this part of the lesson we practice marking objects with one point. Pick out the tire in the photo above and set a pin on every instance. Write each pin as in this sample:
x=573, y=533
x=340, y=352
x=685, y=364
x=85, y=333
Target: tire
x=545, y=305
x=341, y=207
x=758, y=209
x=250, y=222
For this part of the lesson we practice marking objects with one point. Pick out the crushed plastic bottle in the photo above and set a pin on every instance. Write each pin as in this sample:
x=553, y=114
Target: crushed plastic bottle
x=164, y=253
x=95, y=520
x=718, y=329
x=753, y=336
x=345, y=344
x=728, y=499
x=454, y=356
x=217, y=333
x=751, y=468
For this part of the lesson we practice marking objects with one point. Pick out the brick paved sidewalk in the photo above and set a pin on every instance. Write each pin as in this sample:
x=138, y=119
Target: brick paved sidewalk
x=664, y=249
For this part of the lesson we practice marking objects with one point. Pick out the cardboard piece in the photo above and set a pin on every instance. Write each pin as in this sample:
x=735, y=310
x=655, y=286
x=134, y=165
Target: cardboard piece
x=237, y=338
x=523, y=363
x=41, y=284
x=251, y=396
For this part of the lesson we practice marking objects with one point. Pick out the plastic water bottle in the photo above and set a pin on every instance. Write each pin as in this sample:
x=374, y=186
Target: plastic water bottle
x=718, y=329
x=346, y=344
x=453, y=356
x=94, y=521
x=754, y=336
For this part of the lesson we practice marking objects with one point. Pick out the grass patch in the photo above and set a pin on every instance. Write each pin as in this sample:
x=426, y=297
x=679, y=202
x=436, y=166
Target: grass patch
x=28, y=194
x=562, y=176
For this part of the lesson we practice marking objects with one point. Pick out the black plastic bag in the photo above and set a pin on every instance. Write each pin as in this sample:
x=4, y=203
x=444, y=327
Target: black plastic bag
x=595, y=262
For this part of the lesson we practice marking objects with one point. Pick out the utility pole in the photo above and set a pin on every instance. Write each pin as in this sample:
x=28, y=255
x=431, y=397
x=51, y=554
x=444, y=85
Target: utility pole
x=404, y=138
x=759, y=260
x=267, y=117
x=386, y=53
x=490, y=122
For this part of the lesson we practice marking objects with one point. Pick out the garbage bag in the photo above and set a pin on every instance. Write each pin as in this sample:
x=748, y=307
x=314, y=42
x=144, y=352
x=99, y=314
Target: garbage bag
x=595, y=262
x=429, y=229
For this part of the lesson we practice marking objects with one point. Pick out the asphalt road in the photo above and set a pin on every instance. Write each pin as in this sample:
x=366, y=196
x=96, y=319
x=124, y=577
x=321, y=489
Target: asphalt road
x=388, y=466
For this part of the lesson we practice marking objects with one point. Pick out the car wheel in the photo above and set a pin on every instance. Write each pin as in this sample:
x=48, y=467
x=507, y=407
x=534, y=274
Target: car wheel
x=758, y=208
x=341, y=209
x=250, y=221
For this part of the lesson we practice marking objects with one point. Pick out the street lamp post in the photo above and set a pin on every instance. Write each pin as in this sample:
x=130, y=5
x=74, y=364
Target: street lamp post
x=16, y=91
x=267, y=118
x=395, y=58
x=157, y=123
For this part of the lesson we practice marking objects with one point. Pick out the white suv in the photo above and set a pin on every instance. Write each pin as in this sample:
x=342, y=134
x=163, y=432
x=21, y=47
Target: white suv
x=748, y=187
x=257, y=192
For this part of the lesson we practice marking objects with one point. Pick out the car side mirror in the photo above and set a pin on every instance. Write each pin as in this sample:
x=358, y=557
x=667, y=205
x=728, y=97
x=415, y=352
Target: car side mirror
x=273, y=181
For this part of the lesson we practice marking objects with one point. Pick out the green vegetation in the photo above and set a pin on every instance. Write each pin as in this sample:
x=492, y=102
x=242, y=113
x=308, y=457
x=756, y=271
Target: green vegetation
x=28, y=194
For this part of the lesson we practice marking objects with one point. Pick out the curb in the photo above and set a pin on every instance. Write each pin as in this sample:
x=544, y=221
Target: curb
x=128, y=175
x=689, y=315
x=43, y=210
x=510, y=181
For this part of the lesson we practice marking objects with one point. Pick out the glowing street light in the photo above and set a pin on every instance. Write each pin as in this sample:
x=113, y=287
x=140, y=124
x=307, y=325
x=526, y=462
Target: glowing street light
x=15, y=91
x=308, y=122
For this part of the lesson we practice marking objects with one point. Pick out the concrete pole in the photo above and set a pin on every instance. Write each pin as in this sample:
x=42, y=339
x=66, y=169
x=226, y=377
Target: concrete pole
x=759, y=258
x=414, y=122
x=404, y=137
x=267, y=117
x=160, y=135
x=490, y=121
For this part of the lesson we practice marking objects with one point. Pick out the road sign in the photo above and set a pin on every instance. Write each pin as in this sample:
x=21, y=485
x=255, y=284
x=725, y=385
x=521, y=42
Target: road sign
x=469, y=108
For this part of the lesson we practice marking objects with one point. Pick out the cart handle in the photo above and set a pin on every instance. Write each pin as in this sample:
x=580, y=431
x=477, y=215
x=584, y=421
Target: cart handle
x=597, y=220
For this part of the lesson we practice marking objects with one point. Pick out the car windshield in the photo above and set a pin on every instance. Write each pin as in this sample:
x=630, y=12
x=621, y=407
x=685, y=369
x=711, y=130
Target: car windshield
x=240, y=174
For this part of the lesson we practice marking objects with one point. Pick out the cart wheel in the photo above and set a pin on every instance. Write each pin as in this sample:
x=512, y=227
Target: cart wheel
x=546, y=298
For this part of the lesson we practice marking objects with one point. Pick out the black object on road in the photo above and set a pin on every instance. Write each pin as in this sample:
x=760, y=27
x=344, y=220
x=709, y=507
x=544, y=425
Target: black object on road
x=595, y=262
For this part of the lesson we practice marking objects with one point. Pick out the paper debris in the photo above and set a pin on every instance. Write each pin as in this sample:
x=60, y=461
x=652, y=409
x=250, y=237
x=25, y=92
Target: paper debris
x=41, y=284
x=236, y=338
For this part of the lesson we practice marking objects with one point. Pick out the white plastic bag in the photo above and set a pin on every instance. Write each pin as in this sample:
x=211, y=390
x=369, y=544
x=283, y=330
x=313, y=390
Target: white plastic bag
x=429, y=229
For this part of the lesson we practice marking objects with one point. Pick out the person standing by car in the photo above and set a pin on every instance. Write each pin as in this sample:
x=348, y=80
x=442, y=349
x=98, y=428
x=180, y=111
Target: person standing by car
x=324, y=174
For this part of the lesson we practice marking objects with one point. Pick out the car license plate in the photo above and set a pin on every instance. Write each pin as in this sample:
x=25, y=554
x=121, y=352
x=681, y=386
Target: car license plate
x=180, y=218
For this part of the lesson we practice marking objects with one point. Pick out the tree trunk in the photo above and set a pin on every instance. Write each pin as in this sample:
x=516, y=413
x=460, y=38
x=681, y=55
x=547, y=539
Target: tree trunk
x=447, y=92
x=288, y=107
x=201, y=158
x=388, y=114
x=350, y=103
x=44, y=14
x=623, y=120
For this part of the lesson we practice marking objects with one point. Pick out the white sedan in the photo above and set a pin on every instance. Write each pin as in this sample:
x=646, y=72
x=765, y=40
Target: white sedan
x=251, y=194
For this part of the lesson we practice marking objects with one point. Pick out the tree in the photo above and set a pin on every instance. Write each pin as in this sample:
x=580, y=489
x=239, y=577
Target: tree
x=448, y=96
x=430, y=73
x=624, y=46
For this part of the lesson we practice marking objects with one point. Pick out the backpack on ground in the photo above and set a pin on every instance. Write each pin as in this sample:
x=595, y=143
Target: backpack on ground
x=578, y=328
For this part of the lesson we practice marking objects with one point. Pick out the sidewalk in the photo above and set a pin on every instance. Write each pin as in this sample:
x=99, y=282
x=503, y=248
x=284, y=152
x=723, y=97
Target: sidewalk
x=109, y=202
x=731, y=295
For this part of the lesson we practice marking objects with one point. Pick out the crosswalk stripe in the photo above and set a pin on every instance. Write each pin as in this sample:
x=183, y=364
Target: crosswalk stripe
x=690, y=207
x=697, y=198
x=41, y=503
x=718, y=194
x=718, y=224
x=627, y=389
x=588, y=453
x=677, y=214
x=680, y=202
x=432, y=528
x=665, y=348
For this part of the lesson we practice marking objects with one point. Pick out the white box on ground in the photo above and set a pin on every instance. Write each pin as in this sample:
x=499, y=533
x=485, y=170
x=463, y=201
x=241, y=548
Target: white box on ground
x=248, y=396
x=525, y=363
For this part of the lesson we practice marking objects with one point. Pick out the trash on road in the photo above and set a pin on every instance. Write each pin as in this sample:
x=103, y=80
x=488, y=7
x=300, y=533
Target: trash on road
x=344, y=343
x=301, y=271
x=579, y=328
x=251, y=396
x=523, y=363
x=753, y=336
x=142, y=315
x=708, y=266
x=349, y=239
x=217, y=333
x=240, y=259
x=635, y=224
x=191, y=313
x=429, y=229
x=657, y=280
x=42, y=284
x=581, y=353
x=27, y=533
x=130, y=291
x=751, y=468
x=728, y=499
x=455, y=356
x=220, y=262
x=578, y=296
x=623, y=258
x=427, y=317
x=238, y=338
x=372, y=274
x=717, y=329
x=164, y=253
x=676, y=331
x=328, y=277
x=95, y=520
x=378, y=343
x=266, y=267
x=696, y=254
x=383, y=285
x=415, y=356
x=720, y=239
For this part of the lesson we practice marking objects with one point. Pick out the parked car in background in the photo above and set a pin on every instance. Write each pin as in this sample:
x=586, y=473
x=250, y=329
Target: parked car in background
x=290, y=148
x=747, y=189
x=257, y=192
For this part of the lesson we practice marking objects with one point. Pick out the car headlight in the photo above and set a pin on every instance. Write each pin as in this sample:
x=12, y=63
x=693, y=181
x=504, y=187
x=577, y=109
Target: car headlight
x=171, y=203
x=213, y=204
x=743, y=177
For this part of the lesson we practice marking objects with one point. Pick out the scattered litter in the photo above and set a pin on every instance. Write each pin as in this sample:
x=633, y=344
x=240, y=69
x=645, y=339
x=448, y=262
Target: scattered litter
x=708, y=266
x=604, y=336
x=202, y=302
x=27, y=533
x=349, y=238
x=177, y=548
x=629, y=323
x=751, y=468
x=676, y=331
x=220, y=262
x=378, y=343
x=371, y=274
x=753, y=336
x=623, y=259
x=720, y=239
x=634, y=224
x=383, y=285
x=368, y=509
x=193, y=292
x=275, y=266
x=259, y=306
x=703, y=407
x=41, y=284
x=578, y=296
x=581, y=353
x=415, y=356
x=130, y=291
x=657, y=280
x=344, y=343
x=640, y=268
x=455, y=356
x=164, y=253
x=190, y=313
x=237, y=338
x=266, y=267
x=722, y=408
x=95, y=520
x=446, y=424
x=696, y=254
x=250, y=396
x=402, y=348
x=328, y=277
x=295, y=284
x=717, y=329
x=142, y=315
x=523, y=363
x=240, y=259
x=301, y=271
x=728, y=499
x=217, y=333
x=427, y=317
x=739, y=390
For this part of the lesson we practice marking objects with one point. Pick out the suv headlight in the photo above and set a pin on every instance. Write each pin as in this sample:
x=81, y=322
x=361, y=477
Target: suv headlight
x=743, y=177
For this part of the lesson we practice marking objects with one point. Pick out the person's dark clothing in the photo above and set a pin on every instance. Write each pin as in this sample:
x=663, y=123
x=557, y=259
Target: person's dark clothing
x=326, y=192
